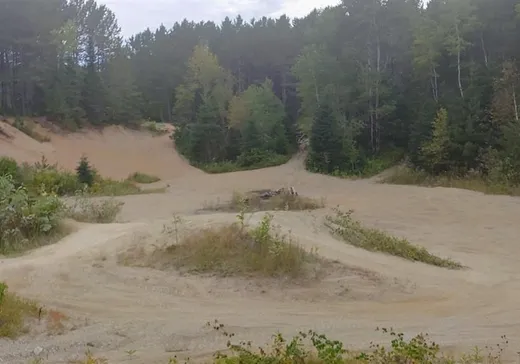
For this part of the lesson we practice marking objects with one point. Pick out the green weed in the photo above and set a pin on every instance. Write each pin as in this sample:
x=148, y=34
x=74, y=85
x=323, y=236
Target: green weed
x=352, y=232
x=143, y=178
x=410, y=176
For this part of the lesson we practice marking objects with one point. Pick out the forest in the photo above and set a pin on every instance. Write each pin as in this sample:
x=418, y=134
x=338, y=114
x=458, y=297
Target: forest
x=366, y=83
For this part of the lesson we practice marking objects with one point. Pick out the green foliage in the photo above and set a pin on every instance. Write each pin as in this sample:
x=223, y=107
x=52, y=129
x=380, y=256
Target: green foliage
x=352, y=232
x=247, y=161
x=9, y=167
x=139, y=177
x=23, y=219
x=492, y=184
x=62, y=183
x=385, y=82
x=84, y=172
x=3, y=291
x=13, y=313
x=237, y=250
x=326, y=142
x=435, y=152
x=312, y=347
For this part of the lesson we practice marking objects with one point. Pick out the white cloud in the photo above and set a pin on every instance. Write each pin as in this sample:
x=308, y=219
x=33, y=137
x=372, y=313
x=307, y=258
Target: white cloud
x=136, y=15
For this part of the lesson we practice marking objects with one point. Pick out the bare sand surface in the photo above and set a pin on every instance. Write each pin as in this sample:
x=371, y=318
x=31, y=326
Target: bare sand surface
x=115, y=309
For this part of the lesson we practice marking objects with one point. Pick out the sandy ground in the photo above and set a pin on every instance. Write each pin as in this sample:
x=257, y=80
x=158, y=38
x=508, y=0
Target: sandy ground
x=116, y=309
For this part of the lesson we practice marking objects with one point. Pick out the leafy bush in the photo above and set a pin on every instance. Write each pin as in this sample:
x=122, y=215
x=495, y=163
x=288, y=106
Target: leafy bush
x=352, y=232
x=139, y=177
x=9, y=167
x=62, y=183
x=23, y=218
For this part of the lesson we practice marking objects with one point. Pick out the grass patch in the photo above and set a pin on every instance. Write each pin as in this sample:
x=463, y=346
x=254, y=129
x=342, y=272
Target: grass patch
x=227, y=167
x=28, y=129
x=85, y=209
x=14, y=311
x=237, y=250
x=352, y=232
x=143, y=178
x=16, y=247
x=410, y=176
x=253, y=202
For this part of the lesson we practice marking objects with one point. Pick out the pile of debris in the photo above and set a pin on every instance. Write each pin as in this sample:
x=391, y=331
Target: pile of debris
x=267, y=194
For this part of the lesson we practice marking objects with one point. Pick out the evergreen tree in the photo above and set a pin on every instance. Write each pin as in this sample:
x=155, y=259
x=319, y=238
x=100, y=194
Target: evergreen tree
x=85, y=172
x=325, y=141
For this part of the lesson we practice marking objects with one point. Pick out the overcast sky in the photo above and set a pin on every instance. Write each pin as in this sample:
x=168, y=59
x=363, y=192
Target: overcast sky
x=136, y=15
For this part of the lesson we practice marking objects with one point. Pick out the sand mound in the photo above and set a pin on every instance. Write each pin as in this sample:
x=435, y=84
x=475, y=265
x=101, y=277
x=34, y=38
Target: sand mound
x=116, y=152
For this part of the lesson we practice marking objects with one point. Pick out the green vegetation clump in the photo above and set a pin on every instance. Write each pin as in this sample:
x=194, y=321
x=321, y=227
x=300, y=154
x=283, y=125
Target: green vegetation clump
x=352, y=232
x=237, y=250
x=244, y=163
x=27, y=129
x=43, y=176
x=84, y=172
x=26, y=221
x=143, y=178
x=14, y=311
x=405, y=175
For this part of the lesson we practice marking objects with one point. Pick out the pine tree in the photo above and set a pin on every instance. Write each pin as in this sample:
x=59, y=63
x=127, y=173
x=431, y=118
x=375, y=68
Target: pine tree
x=325, y=141
x=85, y=172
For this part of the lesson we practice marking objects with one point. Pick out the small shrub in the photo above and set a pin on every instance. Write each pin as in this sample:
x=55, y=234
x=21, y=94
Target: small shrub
x=24, y=219
x=13, y=313
x=84, y=209
x=110, y=187
x=244, y=164
x=143, y=178
x=84, y=172
x=352, y=232
x=235, y=250
x=9, y=167
x=61, y=183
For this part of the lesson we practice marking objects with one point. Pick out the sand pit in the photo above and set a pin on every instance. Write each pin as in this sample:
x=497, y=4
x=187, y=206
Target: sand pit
x=160, y=314
x=116, y=152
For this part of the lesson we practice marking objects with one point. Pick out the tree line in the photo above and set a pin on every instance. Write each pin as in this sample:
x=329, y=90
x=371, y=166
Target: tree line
x=363, y=80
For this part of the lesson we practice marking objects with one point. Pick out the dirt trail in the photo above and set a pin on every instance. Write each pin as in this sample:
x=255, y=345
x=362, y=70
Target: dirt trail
x=161, y=314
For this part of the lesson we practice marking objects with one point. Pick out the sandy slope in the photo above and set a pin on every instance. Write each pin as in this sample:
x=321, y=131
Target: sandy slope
x=161, y=314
